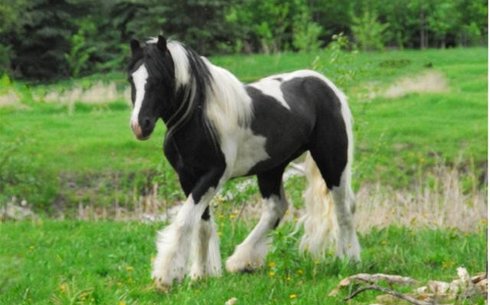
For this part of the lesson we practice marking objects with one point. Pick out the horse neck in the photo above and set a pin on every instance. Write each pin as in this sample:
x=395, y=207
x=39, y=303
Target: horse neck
x=182, y=107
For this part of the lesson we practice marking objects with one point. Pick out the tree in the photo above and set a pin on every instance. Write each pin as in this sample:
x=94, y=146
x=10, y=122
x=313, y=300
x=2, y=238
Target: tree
x=443, y=20
x=43, y=39
x=368, y=31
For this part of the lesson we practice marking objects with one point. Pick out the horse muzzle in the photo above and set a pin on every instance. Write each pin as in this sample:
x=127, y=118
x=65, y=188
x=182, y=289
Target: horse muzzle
x=138, y=132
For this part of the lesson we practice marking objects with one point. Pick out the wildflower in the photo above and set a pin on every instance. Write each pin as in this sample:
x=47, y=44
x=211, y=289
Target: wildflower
x=271, y=273
x=293, y=296
x=63, y=287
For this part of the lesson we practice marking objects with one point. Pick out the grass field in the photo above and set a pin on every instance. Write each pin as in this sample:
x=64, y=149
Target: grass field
x=64, y=156
x=109, y=263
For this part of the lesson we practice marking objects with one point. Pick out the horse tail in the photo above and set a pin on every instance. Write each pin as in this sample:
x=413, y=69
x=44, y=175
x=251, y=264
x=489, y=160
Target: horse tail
x=319, y=221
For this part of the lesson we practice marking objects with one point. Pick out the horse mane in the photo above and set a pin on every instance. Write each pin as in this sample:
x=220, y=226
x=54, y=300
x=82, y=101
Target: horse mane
x=200, y=84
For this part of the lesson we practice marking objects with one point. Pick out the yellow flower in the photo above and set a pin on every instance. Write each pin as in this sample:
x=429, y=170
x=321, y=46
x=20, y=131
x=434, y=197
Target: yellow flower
x=121, y=303
x=293, y=296
x=272, y=273
x=272, y=265
x=64, y=287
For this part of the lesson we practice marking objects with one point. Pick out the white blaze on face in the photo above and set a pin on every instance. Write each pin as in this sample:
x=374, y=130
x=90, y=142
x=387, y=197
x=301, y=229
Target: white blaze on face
x=139, y=79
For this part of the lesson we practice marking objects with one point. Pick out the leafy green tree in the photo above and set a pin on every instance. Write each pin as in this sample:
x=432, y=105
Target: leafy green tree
x=43, y=39
x=80, y=51
x=368, y=31
x=443, y=20
x=306, y=32
x=10, y=14
x=263, y=24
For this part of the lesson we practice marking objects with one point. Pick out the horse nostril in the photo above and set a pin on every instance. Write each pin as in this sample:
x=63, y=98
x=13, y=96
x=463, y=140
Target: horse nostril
x=146, y=123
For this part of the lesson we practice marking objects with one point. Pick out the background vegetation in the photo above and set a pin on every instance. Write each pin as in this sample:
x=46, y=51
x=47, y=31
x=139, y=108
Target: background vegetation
x=45, y=39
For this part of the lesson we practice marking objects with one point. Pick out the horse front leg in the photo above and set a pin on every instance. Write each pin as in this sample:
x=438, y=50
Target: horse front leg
x=250, y=254
x=186, y=234
x=206, y=257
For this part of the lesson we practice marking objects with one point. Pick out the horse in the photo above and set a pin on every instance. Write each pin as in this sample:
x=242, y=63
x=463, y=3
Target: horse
x=219, y=128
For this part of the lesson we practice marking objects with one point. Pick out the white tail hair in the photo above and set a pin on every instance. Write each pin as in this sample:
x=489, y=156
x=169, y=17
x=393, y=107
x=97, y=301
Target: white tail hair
x=319, y=221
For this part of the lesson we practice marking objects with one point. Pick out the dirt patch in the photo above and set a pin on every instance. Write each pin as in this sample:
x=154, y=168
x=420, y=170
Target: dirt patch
x=430, y=81
x=10, y=99
x=96, y=94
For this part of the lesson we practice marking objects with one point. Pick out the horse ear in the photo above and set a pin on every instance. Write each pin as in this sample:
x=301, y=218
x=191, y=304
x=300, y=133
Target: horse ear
x=135, y=46
x=162, y=43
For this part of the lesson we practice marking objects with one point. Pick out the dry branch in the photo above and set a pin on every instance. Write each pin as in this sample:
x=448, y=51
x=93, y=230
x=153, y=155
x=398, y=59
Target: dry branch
x=362, y=278
x=390, y=292
x=465, y=287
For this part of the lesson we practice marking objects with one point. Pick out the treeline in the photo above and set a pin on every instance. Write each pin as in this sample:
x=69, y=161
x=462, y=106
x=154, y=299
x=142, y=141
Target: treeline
x=50, y=39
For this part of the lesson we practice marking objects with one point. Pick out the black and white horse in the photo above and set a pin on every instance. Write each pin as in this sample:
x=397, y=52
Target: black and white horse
x=218, y=129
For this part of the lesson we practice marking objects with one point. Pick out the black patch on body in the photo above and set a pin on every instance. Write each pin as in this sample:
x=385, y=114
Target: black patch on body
x=314, y=122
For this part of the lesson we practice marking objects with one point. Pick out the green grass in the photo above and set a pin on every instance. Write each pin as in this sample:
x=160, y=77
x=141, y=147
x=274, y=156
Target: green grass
x=61, y=156
x=69, y=262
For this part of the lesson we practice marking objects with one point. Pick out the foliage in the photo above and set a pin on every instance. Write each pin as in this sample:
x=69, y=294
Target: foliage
x=21, y=177
x=42, y=39
x=368, y=31
x=80, y=51
x=306, y=33
x=46, y=39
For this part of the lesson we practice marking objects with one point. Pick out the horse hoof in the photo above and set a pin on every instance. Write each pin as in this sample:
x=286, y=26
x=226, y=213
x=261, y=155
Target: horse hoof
x=161, y=286
x=234, y=266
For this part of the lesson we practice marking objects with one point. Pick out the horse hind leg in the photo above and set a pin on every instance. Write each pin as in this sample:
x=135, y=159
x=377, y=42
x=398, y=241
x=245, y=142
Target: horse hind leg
x=347, y=243
x=251, y=253
x=335, y=168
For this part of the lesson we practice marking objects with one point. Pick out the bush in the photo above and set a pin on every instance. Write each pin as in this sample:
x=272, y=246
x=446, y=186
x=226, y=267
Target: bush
x=22, y=178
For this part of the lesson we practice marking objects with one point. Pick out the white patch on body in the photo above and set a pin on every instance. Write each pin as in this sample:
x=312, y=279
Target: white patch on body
x=251, y=253
x=139, y=79
x=242, y=149
x=271, y=87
